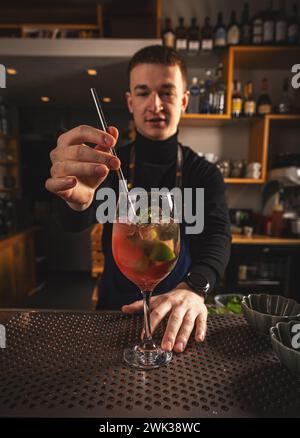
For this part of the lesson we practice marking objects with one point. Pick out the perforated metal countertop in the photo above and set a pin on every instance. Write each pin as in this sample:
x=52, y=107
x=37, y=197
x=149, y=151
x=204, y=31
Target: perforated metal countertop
x=69, y=364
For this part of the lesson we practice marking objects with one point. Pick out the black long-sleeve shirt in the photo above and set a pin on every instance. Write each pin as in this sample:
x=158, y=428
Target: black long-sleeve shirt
x=156, y=167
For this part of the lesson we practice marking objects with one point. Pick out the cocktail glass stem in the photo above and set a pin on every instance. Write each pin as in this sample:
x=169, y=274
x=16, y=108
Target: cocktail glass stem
x=148, y=343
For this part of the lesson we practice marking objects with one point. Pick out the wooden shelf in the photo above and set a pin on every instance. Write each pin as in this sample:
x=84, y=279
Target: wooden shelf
x=59, y=26
x=270, y=57
x=203, y=119
x=243, y=181
x=220, y=119
x=283, y=117
x=9, y=163
x=262, y=240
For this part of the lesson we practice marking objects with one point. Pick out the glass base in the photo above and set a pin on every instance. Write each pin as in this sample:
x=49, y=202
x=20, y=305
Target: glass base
x=146, y=360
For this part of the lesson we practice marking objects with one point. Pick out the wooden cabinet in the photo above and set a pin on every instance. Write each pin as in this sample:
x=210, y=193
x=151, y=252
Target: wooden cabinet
x=17, y=268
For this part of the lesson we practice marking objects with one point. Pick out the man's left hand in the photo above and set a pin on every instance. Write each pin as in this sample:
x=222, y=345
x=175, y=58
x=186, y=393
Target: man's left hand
x=186, y=309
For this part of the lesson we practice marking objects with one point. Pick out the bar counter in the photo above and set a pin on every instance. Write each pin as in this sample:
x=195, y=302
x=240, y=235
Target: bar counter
x=69, y=364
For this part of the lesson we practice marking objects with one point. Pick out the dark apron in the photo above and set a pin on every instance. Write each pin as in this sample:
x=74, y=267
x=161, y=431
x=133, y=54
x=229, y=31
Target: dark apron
x=116, y=290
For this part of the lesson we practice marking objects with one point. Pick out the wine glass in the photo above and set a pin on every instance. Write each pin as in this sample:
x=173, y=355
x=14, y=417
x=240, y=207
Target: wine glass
x=146, y=246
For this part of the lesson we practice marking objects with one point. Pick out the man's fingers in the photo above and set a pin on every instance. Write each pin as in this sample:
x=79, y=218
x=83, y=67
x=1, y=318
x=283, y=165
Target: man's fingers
x=160, y=309
x=55, y=185
x=114, y=132
x=87, y=134
x=201, y=325
x=66, y=168
x=137, y=306
x=185, y=331
x=84, y=153
x=173, y=326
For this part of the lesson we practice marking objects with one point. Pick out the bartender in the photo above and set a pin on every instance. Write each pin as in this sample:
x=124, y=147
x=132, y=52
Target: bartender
x=156, y=98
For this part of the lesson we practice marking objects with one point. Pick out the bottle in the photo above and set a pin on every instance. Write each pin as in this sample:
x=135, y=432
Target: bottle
x=264, y=103
x=285, y=104
x=208, y=102
x=207, y=35
x=202, y=96
x=219, y=92
x=281, y=26
x=3, y=117
x=246, y=26
x=269, y=25
x=257, y=29
x=168, y=35
x=194, y=89
x=193, y=37
x=237, y=100
x=181, y=35
x=293, y=31
x=249, y=101
x=220, y=32
x=233, y=31
x=277, y=217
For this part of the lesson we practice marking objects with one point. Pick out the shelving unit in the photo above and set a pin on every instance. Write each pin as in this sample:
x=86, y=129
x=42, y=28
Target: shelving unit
x=46, y=19
x=117, y=19
x=249, y=57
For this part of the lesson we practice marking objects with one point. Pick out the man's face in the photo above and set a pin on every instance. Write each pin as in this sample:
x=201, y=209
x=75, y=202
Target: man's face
x=157, y=98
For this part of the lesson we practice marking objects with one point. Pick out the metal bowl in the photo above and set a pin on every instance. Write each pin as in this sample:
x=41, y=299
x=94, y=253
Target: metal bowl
x=286, y=344
x=264, y=311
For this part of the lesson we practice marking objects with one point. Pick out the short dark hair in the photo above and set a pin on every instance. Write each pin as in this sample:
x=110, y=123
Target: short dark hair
x=158, y=55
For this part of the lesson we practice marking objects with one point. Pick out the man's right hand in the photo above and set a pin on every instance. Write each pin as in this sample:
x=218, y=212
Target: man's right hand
x=77, y=169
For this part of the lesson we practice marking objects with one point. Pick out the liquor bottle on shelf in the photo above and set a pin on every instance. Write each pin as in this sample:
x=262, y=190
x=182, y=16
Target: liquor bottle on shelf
x=193, y=37
x=257, y=29
x=208, y=102
x=269, y=25
x=264, y=103
x=219, y=33
x=207, y=35
x=237, y=100
x=202, y=96
x=249, y=101
x=219, y=92
x=245, y=26
x=233, y=31
x=194, y=89
x=168, y=34
x=281, y=26
x=181, y=35
x=293, y=31
x=285, y=103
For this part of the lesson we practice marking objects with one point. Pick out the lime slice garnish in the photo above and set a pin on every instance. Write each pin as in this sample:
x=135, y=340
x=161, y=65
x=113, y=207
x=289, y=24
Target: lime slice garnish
x=161, y=253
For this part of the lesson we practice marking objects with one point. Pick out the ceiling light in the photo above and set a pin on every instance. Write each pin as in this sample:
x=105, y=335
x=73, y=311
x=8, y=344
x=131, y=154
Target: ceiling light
x=11, y=71
x=45, y=98
x=106, y=99
x=92, y=72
